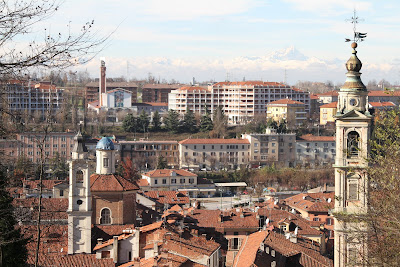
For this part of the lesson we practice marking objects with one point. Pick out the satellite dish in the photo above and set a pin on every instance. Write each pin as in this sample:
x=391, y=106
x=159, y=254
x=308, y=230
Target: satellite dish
x=329, y=200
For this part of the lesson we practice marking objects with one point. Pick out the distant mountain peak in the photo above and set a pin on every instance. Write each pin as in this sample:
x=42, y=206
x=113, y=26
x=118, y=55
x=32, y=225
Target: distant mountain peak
x=289, y=53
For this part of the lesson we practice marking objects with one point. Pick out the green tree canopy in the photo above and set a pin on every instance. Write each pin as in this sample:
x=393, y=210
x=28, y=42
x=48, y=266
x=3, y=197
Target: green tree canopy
x=206, y=123
x=156, y=122
x=130, y=124
x=189, y=122
x=13, y=250
x=162, y=162
x=171, y=121
x=143, y=122
x=220, y=122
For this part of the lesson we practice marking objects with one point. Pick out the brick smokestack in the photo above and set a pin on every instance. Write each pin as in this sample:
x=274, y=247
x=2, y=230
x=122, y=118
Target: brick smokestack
x=102, y=80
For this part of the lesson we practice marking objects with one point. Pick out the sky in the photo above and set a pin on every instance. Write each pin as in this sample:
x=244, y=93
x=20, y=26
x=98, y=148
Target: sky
x=270, y=40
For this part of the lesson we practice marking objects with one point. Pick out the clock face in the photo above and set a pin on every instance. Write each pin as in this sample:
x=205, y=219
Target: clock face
x=353, y=102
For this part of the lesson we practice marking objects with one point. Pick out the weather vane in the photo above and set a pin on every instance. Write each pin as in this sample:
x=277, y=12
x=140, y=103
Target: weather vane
x=358, y=36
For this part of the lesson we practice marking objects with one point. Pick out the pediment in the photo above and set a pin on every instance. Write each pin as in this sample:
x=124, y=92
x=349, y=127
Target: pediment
x=353, y=114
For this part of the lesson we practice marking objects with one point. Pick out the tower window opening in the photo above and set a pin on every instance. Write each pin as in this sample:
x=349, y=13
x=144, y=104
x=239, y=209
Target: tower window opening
x=105, y=216
x=79, y=176
x=353, y=148
x=105, y=163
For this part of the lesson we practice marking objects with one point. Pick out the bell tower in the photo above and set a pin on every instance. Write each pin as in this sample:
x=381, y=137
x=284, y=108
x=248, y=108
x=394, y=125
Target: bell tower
x=353, y=130
x=80, y=202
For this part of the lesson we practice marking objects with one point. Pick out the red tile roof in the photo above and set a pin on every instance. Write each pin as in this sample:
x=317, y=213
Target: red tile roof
x=142, y=182
x=110, y=183
x=168, y=173
x=78, y=260
x=384, y=93
x=111, y=240
x=382, y=104
x=168, y=197
x=330, y=93
x=193, y=88
x=248, y=251
x=308, y=257
x=154, y=104
x=47, y=184
x=312, y=202
x=285, y=101
x=310, y=137
x=230, y=219
x=53, y=209
x=329, y=105
x=251, y=83
x=277, y=217
x=313, y=96
x=214, y=141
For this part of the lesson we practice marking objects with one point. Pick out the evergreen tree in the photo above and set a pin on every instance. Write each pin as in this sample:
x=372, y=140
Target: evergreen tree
x=13, y=250
x=282, y=127
x=171, y=121
x=156, y=121
x=129, y=124
x=220, y=122
x=143, y=121
x=206, y=123
x=161, y=163
x=271, y=123
x=189, y=122
x=60, y=167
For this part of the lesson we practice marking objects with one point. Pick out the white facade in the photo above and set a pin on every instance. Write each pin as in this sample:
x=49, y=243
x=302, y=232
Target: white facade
x=314, y=153
x=80, y=203
x=241, y=101
x=117, y=98
x=105, y=161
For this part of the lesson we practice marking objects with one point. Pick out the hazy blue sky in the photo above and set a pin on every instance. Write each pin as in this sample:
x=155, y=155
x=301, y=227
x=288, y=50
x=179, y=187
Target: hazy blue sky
x=209, y=38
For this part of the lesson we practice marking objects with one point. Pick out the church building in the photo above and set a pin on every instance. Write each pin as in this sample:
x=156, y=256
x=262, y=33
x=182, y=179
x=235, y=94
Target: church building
x=103, y=198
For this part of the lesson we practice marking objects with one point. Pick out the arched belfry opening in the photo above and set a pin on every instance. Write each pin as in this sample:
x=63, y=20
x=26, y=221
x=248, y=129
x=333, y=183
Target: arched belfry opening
x=353, y=144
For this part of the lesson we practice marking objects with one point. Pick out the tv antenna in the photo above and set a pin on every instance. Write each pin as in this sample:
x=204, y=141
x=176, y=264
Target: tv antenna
x=358, y=36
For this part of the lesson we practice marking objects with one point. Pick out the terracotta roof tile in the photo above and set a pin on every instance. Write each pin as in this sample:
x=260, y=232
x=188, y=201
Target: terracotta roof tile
x=310, y=137
x=214, y=141
x=168, y=173
x=168, y=197
x=312, y=202
x=47, y=184
x=381, y=104
x=142, y=182
x=110, y=182
x=194, y=88
x=53, y=209
x=308, y=257
x=329, y=105
x=384, y=93
x=248, y=251
x=285, y=101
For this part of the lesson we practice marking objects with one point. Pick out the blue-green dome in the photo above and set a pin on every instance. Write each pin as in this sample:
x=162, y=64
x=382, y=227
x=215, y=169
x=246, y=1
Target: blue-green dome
x=105, y=143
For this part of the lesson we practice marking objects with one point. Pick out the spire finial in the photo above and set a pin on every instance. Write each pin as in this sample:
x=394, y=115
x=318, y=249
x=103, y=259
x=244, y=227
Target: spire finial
x=358, y=36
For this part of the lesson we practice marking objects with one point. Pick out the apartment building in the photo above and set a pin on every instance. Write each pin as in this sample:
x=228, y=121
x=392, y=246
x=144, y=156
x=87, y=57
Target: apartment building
x=271, y=148
x=289, y=110
x=241, y=101
x=145, y=153
x=53, y=143
x=327, y=113
x=32, y=98
x=213, y=154
x=157, y=93
x=314, y=151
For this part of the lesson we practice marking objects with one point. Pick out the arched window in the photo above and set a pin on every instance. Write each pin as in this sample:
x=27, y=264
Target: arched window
x=105, y=216
x=353, y=139
x=79, y=176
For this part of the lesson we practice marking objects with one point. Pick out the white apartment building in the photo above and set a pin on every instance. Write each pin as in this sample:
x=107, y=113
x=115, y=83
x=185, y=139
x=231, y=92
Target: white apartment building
x=213, y=154
x=32, y=98
x=241, y=101
x=271, y=148
x=314, y=151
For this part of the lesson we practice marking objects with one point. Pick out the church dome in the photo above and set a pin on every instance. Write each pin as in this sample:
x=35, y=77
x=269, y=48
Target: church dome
x=105, y=143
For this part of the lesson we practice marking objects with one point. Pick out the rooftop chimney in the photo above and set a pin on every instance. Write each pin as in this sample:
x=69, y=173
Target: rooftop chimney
x=115, y=249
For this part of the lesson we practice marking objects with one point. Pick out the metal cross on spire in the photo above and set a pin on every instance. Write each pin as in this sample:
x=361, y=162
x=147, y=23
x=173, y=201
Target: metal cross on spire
x=358, y=36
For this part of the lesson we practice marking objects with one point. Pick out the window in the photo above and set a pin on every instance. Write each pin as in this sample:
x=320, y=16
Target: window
x=79, y=176
x=273, y=144
x=204, y=147
x=182, y=180
x=63, y=138
x=155, y=181
x=212, y=147
x=173, y=181
x=222, y=146
x=55, y=145
x=316, y=219
x=195, y=147
x=164, y=181
x=352, y=144
x=105, y=254
x=105, y=216
x=191, y=180
x=105, y=163
x=329, y=221
x=353, y=191
x=61, y=193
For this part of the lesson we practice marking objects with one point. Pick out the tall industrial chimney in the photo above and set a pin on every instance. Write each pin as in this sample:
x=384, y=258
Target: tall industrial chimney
x=102, y=80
